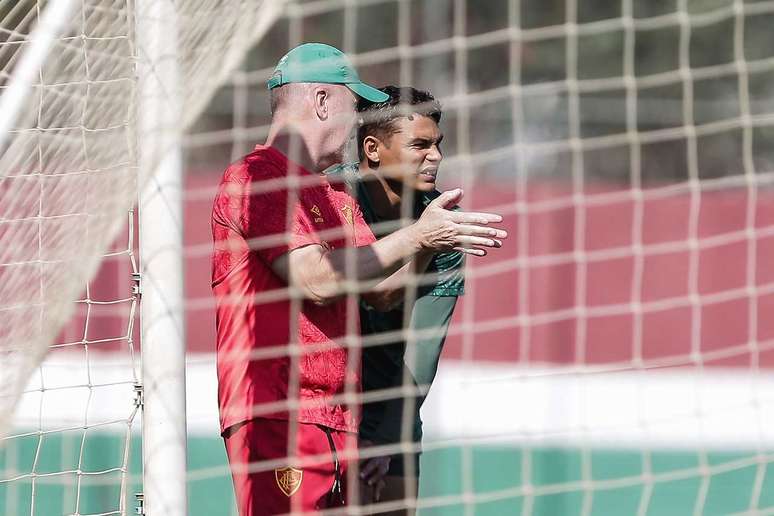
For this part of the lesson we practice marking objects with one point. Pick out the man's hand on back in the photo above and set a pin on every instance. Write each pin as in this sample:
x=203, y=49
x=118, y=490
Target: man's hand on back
x=372, y=472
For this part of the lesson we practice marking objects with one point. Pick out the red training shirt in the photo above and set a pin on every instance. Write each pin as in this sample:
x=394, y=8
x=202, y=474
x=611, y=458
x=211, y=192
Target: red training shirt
x=256, y=219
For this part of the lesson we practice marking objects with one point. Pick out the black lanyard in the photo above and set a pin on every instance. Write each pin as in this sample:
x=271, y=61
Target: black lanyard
x=335, y=496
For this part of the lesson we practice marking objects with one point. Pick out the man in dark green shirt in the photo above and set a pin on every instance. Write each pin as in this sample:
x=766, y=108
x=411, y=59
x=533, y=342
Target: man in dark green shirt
x=399, y=150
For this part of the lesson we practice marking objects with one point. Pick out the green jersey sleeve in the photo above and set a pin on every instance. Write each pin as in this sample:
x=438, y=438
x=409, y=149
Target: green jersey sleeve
x=449, y=267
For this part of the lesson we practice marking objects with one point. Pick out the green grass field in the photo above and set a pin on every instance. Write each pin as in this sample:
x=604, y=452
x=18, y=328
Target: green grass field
x=616, y=488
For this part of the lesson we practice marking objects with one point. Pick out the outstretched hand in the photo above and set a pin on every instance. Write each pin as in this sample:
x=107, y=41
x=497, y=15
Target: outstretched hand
x=440, y=229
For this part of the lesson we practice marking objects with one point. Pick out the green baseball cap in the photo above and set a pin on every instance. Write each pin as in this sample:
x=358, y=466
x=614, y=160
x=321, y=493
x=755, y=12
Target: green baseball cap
x=317, y=62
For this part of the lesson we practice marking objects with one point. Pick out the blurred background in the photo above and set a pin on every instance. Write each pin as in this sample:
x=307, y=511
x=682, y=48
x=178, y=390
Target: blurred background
x=615, y=358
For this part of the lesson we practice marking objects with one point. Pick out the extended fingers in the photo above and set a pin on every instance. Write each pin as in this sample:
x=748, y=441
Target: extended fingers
x=464, y=217
x=378, y=490
x=368, y=469
x=374, y=469
x=476, y=241
x=475, y=251
x=482, y=231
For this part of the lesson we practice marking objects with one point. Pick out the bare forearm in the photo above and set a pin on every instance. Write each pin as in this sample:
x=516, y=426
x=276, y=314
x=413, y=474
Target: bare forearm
x=323, y=276
x=382, y=258
x=391, y=291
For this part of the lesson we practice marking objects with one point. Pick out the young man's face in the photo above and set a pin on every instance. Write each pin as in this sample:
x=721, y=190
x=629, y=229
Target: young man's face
x=412, y=154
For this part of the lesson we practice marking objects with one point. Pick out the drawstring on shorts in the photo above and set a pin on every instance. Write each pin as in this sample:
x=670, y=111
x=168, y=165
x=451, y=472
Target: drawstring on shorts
x=336, y=495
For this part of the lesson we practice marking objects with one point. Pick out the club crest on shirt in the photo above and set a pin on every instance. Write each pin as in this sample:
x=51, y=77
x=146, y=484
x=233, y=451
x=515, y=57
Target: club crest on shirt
x=317, y=214
x=348, y=215
x=288, y=480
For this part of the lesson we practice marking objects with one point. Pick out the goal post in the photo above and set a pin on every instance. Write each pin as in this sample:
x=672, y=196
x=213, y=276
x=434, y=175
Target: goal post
x=92, y=107
x=614, y=358
x=161, y=256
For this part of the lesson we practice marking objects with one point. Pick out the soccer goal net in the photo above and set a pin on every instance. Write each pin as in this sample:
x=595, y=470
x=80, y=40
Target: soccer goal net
x=91, y=104
x=614, y=357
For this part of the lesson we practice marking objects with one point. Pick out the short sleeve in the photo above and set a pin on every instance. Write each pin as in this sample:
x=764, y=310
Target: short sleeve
x=450, y=270
x=363, y=234
x=273, y=225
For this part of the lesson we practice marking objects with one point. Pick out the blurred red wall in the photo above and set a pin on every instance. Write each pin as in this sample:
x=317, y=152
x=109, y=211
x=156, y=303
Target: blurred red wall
x=580, y=278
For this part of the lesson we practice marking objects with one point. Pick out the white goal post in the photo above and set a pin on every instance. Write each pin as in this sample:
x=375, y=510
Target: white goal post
x=615, y=357
x=92, y=96
x=161, y=255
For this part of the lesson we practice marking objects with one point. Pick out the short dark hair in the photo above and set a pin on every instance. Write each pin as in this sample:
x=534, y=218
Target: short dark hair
x=378, y=118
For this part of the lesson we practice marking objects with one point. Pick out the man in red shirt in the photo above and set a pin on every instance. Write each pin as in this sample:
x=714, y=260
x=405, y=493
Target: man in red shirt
x=290, y=252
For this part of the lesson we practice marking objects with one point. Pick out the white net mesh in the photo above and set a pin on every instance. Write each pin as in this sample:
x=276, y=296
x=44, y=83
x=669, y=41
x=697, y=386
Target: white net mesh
x=68, y=178
x=628, y=145
x=594, y=364
x=69, y=449
x=69, y=175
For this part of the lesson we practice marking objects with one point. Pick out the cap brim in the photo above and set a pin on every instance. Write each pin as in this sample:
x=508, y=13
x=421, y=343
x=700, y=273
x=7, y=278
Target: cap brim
x=367, y=92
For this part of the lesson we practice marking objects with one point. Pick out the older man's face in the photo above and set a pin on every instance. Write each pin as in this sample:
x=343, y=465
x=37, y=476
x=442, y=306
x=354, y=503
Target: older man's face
x=342, y=117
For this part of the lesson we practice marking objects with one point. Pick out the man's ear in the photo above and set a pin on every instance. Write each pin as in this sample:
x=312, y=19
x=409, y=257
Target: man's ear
x=321, y=98
x=371, y=148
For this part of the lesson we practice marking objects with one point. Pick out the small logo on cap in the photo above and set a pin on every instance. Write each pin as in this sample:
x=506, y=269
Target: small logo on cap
x=276, y=77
